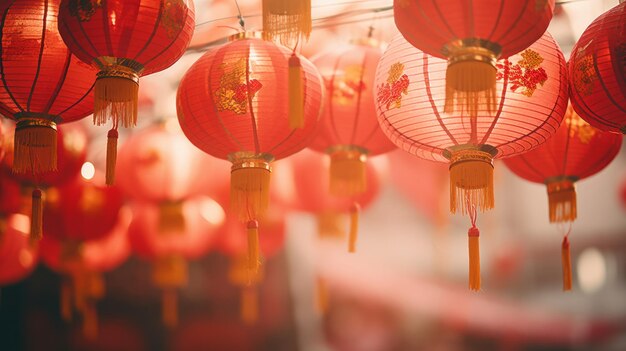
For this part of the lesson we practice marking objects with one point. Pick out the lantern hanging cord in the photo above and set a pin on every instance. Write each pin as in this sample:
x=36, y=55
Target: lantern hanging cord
x=564, y=228
x=242, y=23
x=471, y=211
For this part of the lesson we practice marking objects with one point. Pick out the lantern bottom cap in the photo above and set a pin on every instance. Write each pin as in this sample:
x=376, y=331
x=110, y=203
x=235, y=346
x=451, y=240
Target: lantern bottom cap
x=471, y=180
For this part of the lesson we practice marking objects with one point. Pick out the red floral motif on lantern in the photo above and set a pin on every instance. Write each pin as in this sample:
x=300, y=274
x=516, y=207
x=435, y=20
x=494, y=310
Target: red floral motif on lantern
x=173, y=17
x=578, y=126
x=349, y=86
x=527, y=74
x=584, y=72
x=397, y=84
x=84, y=9
x=233, y=92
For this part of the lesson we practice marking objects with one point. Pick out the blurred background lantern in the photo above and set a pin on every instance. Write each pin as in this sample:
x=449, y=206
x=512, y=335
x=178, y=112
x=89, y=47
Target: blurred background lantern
x=169, y=250
x=597, y=73
x=124, y=39
x=232, y=104
x=71, y=154
x=18, y=256
x=577, y=151
x=288, y=21
x=472, y=37
x=532, y=98
x=82, y=265
x=43, y=84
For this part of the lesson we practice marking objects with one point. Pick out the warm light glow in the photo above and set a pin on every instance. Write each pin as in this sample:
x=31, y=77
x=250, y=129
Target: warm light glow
x=212, y=211
x=21, y=223
x=592, y=270
x=113, y=18
x=88, y=171
x=26, y=258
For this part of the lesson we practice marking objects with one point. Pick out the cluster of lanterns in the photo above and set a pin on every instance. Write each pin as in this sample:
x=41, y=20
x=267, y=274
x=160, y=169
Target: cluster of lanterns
x=464, y=86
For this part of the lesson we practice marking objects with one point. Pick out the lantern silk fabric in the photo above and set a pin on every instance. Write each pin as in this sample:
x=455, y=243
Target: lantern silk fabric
x=598, y=74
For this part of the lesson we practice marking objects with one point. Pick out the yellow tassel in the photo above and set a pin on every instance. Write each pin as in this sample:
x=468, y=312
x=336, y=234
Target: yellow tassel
x=347, y=171
x=287, y=20
x=169, y=305
x=329, y=225
x=95, y=285
x=35, y=146
x=567, y=264
x=66, y=300
x=471, y=82
x=115, y=97
x=296, y=93
x=474, y=259
x=253, y=247
x=354, y=227
x=170, y=272
x=90, y=322
x=80, y=291
x=249, y=189
x=249, y=304
x=562, y=200
x=240, y=275
x=36, y=217
x=471, y=177
x=171, y=218
x=321, y=300
x=112, y=137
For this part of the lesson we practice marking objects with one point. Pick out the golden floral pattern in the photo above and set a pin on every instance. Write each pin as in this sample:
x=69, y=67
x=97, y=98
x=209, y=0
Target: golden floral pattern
x=84, y=9
x=390, y=93
x=345, y=88
x=232, y=95
x=173, y=17
x=526, y=75
x=584, y=73
x=578, y=127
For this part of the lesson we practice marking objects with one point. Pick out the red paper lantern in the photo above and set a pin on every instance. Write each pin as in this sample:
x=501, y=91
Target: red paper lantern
x=43, y=84
x=575, y=152
x=169, y=250
x=472, y=36
x=532, y=99
x=597, y=73
x=18, y=258
x=349, y=130
x=124, y=39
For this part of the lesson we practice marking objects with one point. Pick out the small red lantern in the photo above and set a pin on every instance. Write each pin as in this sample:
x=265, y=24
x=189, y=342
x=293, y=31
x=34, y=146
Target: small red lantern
x=124, y=39
x=18, y=258
x=169, y=250
x=43, y=84
x=575, y=152
x=597, y=73
x=472, y=36
x=532, y=99
x=349, y=130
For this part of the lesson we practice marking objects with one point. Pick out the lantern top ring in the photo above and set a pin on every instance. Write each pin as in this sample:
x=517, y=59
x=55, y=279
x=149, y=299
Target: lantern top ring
x=473, y=46
x=488, y=150
x=253, y=34
x=246, y=159
x=560, y=182
x=347, y=149
x=35, y=121
x=109, y=64
x=36, y=118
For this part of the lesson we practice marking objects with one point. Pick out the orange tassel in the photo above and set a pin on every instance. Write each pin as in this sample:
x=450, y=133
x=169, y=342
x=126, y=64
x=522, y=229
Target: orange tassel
x=66, y=300
x=170, y=307
x=567, y=264
x=253, y=247
x=171, y=218
x=36, y=217
x=35, y=146
x=249, y=186
x=354, y=226
x=116, y=93
x=562, y=200
x=474, y=258
x=321, y=301
x=471, y=180
x=249, y=304
x=347, y=171
x=90, y=322
x=296, y=93
x=112, y=137
x=287, y=20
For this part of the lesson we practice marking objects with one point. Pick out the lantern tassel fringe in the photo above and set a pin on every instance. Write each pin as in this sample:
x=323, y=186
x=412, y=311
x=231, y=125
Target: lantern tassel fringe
x=115, y=98
x=354, y=227
x=36, y=217
x=249, y=192
x=171, y=218
x=562, y=202
x=249, y=307
x=347, y=174
x=287, y=20
x=567, y=264
x=111, y=160
x=470, y=85
x=296, y=93
x=473, y=180
x=35, y=149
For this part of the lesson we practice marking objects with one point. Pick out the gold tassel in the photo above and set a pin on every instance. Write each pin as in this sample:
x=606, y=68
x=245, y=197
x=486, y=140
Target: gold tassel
x=562, y=200
x=347, y=171
x=249, y=188
x=321, y=296
x=169, y=305
x=354, y=227
x=296, y=93
x=249, y=304
x=90, y=322
x=112, y=137
x=36, y=217
x=471, y=81
x=474, y=258
x=171, y=218
x=471, y=177
x=35, y=146
x=115, y=96
x=287, y=20
x=253, y=247
x=330, y=225
x=94, y=285
x=66, y=300
x=567, y=264
x=170, y=271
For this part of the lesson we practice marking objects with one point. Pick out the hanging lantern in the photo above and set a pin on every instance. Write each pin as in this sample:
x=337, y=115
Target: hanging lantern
x=349, y=130
x=124, y=39
x=169, y=251
x=71, y=154
x=160, y=166
x=18, y=258
x=232, y=104
x=82, y=263
x=472, y=37
x=43, y=84
x=575, y=152
x=531, y=99
x=597, y=73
